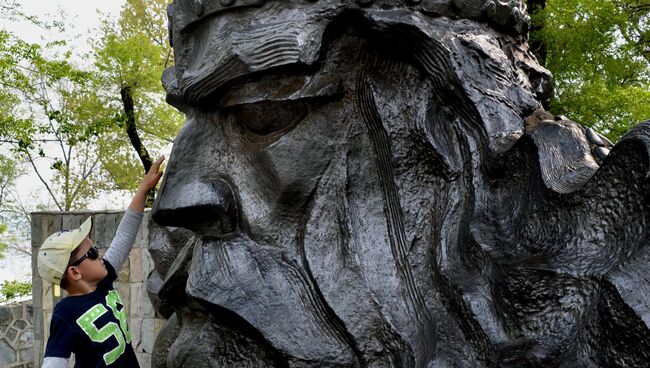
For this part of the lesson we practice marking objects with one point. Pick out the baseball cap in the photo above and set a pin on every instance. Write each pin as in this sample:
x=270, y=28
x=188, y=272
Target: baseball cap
x=54, y=254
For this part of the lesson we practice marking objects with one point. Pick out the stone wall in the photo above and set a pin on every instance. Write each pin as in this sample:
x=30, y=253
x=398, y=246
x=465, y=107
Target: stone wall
x=131, y=281
x=16, y=335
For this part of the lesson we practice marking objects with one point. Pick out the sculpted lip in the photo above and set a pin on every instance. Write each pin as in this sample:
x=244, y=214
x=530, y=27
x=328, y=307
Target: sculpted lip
x=171, y=290
x=181, y=267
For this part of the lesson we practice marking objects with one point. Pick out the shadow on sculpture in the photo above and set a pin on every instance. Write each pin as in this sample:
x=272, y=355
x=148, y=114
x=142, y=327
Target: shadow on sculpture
x=375, y=184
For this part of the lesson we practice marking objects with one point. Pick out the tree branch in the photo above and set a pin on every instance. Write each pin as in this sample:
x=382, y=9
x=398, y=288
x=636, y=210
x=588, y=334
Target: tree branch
x=85, y=173
x=131, y=129
x=31, y=161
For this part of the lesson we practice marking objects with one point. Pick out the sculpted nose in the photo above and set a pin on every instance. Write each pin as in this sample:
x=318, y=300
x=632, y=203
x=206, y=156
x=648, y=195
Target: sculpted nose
x=207, y=207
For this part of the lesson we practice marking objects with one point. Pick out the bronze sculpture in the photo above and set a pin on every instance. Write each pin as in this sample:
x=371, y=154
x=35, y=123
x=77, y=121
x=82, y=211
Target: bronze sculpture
x=375, y=184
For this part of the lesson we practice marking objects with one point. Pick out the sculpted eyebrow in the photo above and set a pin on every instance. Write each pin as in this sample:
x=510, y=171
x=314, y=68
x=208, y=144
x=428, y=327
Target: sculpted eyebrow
x=284, y=89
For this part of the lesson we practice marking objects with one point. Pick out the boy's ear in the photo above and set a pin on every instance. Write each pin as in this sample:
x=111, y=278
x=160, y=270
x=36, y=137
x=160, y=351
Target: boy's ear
x=73, y=273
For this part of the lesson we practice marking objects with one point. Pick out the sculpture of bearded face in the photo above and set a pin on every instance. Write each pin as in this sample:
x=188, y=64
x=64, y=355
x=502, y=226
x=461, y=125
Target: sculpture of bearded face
x=374, y=184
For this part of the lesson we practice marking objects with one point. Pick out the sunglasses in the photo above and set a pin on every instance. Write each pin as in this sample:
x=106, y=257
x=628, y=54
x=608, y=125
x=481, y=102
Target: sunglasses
x=91, y=254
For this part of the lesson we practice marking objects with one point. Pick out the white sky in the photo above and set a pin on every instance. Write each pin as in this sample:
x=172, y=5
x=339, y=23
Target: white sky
x=84, y=18
x=82, y=14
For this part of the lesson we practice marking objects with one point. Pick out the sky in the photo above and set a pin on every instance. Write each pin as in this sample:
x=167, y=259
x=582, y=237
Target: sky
x=83, y=16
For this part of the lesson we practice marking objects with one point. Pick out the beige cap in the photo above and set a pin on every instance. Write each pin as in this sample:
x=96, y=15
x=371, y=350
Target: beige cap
x=54, y=254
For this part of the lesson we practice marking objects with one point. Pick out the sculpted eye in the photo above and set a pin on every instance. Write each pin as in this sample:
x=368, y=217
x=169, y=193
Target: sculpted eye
x=269, y=117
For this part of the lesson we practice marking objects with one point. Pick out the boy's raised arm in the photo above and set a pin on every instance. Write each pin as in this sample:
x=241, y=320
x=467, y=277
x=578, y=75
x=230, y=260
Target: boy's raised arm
x=53, y=362
x=149, y=182
x=121, y=245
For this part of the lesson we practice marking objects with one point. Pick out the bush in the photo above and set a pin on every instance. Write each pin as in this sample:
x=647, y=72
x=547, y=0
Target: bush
x=13, y=289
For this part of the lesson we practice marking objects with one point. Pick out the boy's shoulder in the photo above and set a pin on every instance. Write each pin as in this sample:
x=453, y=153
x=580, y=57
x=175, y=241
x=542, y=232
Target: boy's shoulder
x=70, y=306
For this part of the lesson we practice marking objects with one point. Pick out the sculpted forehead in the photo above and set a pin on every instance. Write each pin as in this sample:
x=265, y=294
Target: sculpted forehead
x=228, y=45
x=509, y=14
x=217, y=41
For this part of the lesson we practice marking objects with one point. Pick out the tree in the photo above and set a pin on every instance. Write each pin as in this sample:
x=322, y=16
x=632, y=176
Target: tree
x=14, y=289
x=130, y=58
x=535, y=8
x=598, y=52
x=9, y=168
x=11, y=9
x=83, y=122
x=40, y=109
x=9, y=171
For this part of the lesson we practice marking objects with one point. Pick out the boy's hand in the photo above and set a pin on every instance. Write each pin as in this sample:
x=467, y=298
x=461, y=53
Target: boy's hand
x=153, y=176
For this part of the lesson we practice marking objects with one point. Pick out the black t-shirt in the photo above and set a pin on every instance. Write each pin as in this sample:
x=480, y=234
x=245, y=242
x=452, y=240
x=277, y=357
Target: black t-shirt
x=93, y=327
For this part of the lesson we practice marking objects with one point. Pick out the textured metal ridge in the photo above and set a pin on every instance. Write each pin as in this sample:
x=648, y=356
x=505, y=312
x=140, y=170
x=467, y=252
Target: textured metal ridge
x=507, y=14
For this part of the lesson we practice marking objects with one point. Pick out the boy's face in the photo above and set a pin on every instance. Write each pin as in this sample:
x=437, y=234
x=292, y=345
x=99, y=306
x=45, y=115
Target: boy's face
x=91, y=270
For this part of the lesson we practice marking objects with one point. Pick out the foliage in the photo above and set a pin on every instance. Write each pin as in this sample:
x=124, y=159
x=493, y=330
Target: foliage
x=11, y=9
x=3, y=245
x=45, y=118
x=598, y=52
x=130, y=58
x=13, y=289
x=68, y=123
x=9, y=171
x=148, y=17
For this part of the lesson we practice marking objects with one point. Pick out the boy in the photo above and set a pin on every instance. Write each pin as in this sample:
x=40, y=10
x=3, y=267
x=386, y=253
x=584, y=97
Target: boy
x=91, y=321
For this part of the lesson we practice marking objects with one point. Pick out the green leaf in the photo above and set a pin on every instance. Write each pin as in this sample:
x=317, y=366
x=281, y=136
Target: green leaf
x=13, y=289
x=597, y=52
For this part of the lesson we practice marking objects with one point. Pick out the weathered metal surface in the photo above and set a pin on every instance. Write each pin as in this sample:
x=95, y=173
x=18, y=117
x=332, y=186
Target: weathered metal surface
x=375, y=184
